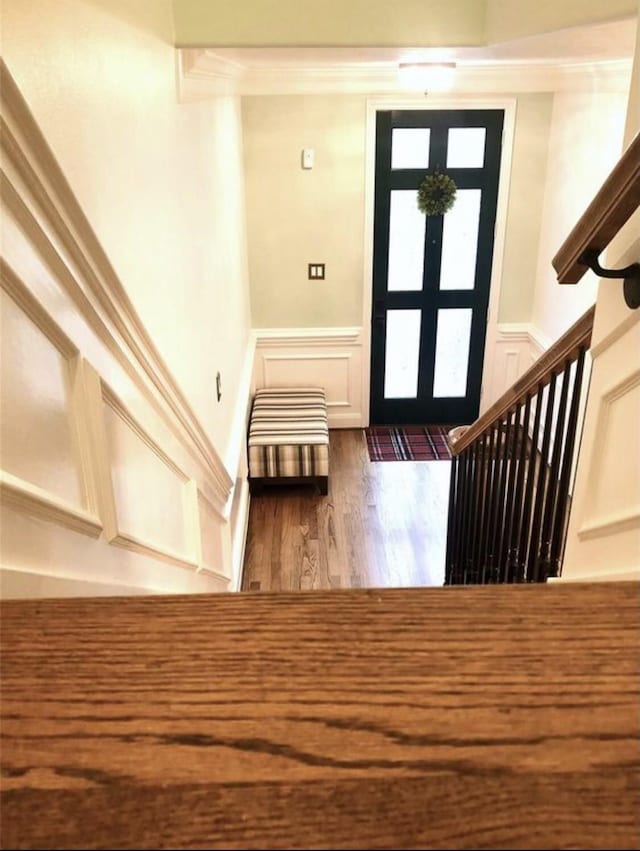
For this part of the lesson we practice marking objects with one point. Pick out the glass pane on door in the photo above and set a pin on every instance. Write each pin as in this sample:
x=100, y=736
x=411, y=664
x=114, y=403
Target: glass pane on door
x=460, y=242
x=410, y=147
x=402, y=354
x=466, y=147
x=406, y=243
x=452, y=352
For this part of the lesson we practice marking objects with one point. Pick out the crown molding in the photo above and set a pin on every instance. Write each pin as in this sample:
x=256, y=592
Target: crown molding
x=204, y=73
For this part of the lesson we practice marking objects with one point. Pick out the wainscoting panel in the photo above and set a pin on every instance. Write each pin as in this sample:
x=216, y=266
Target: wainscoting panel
x=510, y=353
x=146, y=485
x=613, y=501
x=103, y=457
x=45, y=465
x=214, y=555
x=318, y=357
x=604, y=532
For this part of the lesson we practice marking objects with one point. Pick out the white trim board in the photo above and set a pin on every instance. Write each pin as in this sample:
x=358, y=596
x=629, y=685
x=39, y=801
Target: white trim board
x=600, y=576
x=374, y=105
x=237, y=438
x=204, y=72
x=16, y=583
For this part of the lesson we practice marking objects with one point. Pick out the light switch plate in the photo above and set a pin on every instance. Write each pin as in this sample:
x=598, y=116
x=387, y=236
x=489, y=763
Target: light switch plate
x=307, y=158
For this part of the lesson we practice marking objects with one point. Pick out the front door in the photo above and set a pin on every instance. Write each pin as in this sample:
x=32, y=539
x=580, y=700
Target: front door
x=431, y=276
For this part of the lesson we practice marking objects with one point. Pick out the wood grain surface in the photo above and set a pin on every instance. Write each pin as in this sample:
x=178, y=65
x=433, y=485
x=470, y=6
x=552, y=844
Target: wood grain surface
x=495, y=717
x=382, y=525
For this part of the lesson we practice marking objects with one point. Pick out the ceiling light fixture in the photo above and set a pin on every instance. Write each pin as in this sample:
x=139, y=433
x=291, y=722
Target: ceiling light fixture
x=431, y=76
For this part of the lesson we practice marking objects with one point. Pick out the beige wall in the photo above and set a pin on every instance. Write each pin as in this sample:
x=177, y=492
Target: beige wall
x=296, y=216
x=161, y=183
x=261, y=23
x=509, y=19
x=584, y=144
x=524, y=216
x=329, y=23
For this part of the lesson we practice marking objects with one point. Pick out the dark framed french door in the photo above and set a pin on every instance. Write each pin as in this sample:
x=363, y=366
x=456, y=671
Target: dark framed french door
x=431, y=275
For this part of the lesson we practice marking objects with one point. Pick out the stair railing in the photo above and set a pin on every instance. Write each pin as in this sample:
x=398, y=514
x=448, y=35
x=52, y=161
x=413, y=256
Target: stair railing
x=512, y=469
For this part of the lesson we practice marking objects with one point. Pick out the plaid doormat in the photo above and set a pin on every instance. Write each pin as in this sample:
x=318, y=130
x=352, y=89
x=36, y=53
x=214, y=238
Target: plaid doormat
x=411, y=443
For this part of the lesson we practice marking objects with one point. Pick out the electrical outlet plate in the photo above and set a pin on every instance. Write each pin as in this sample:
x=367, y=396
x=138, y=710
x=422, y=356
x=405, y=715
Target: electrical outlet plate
x=316, y=271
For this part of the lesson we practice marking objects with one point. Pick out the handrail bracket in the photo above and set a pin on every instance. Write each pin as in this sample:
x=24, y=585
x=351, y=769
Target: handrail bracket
x=631, y=275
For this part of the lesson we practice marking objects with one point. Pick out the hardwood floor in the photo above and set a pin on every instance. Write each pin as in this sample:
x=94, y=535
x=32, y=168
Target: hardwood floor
x=382, y=525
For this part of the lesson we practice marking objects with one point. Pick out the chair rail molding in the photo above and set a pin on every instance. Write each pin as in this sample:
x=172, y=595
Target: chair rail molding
x=323, y=357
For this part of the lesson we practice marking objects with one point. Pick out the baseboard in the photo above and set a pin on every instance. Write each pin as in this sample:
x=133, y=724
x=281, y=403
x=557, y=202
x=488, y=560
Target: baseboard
x=315, y=357
x=237, y=438
x=17, y=584
x=240, y=526
x=601, y=576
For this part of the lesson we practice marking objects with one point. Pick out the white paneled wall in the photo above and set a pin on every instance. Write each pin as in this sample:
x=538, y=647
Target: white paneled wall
x=316, y=357
x=511, y=352
x=333, y=358
x=109, y=483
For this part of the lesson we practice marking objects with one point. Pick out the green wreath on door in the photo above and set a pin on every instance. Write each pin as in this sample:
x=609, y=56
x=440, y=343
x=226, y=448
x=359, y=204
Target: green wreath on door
x=436, y=194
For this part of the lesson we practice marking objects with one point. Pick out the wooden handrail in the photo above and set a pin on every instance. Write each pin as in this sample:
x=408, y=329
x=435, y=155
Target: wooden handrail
x=565, y=348
x=228, y=739
x=614, y=204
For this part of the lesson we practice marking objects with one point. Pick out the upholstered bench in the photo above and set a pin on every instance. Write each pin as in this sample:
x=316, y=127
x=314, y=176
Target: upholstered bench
x=289, y=438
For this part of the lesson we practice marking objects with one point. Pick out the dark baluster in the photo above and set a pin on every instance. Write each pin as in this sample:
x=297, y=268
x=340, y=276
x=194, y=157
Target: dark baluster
x=484, y=500
x=454, y=532
x=544, y=560
x=523, y=547
x=512, y=454
x=471, y=567
x=490, y=508
x=561, y=513
x=452, y=520
x=495, y=523
x=476, y=567
x=514, y=566
x=503, y=458
x=466, y=514
x=458, y=535
x=534, y=546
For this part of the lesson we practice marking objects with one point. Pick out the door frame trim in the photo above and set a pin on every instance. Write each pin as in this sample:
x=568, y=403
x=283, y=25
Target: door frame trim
x=379, y=104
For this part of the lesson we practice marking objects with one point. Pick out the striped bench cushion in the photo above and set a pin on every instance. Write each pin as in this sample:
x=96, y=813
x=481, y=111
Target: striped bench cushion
x=288, y=433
